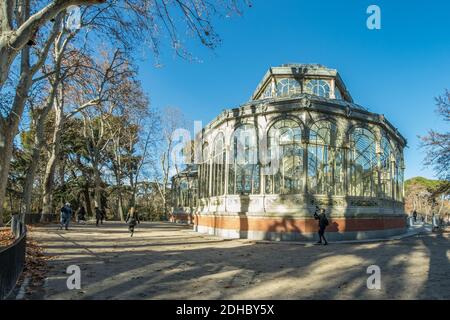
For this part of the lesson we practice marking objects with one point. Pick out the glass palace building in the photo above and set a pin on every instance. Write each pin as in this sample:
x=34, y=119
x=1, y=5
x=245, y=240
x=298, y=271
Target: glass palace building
x=300, y=142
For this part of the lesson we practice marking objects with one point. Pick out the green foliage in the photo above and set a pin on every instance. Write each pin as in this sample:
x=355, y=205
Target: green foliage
x=429, y=184
x=14, y=187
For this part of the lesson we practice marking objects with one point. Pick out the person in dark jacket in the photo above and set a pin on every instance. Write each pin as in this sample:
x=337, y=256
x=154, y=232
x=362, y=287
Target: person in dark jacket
x=66, y=215
x=103, y=215
x=323, y=223
x=81, y=215
x=132, y=220
x=415, y=216
x=98, y=215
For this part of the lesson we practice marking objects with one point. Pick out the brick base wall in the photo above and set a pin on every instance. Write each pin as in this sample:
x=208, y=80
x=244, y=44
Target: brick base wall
x=289, y=228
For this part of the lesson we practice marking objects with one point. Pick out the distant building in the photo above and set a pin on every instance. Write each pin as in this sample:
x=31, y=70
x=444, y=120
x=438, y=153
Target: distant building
x=300, y=142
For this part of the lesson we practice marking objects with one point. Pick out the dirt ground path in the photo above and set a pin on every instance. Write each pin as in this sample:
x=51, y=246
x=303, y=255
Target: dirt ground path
x=167, y=261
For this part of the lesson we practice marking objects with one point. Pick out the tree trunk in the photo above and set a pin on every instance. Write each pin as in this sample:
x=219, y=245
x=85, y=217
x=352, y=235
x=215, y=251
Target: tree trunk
x=10, y=125
x=5, y=157
x=61, y=171
x=52, y=162
x=98, y=186
x=7, y=56
x=166, y=216
x=117, y=174
x=22, y=90
x=133, y=191
x=39, y=141
x=120, y=206
x=87, y=200
x=119, y=196
x=8, y=53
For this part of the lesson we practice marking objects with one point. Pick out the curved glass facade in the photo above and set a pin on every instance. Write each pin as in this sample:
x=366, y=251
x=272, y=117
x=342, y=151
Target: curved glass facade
x=275, y=160
x=317, y=163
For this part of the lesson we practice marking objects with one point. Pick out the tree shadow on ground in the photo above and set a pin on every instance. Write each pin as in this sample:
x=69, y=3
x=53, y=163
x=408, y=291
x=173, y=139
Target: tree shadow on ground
x=236, y=269
x=439, y=266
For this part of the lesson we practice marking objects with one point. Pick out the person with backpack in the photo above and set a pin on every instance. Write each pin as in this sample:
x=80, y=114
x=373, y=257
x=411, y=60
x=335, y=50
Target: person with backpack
x=323, y=223
x=133, y=218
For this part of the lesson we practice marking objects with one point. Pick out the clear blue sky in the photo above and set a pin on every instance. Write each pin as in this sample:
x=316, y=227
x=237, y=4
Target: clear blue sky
x=396, y=71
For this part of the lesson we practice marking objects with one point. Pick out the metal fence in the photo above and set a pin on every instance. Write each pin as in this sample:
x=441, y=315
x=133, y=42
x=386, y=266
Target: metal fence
x=12, y=262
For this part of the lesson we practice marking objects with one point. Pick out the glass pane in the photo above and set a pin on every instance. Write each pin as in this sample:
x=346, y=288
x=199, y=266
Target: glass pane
x=363, y=163
x=286, y=87
x=284, y=144
x=244, y=173
x=318, y=87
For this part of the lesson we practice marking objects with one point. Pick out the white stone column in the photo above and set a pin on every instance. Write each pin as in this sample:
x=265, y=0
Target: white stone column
x=378, y=151
x=332, y=93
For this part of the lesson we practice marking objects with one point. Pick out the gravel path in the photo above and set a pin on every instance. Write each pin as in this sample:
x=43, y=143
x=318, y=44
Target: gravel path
x=167, y=261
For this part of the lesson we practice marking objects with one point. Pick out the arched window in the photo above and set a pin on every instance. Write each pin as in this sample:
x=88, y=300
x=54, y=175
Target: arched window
x=325, y=160
x=363, y=162
x=203, y=173
x=218, y=166
x=318, y=87
x=184, y=190
x=243, y=162
x=286, y=158
x=386, y=167
x=287, y=86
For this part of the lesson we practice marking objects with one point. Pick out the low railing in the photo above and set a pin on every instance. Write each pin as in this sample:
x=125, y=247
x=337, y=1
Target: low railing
x=12, y=262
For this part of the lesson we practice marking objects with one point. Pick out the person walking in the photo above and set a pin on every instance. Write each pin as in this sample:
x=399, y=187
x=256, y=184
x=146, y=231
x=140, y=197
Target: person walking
x=415, y=216
x=132, y=219
x=103, y=216
x=66, y=215
x=434, y=222
x=81, y=215
x=323, y=223
x=98, y=215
